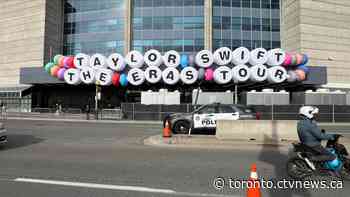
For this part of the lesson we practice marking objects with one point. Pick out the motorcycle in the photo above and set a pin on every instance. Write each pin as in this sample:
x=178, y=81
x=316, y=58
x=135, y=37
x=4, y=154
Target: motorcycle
x=301, y=164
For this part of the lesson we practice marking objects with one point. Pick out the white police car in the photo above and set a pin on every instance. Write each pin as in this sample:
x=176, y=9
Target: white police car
x=205, y=117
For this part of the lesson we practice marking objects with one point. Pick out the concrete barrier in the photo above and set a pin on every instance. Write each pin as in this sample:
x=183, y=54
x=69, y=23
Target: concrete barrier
x=260, y=130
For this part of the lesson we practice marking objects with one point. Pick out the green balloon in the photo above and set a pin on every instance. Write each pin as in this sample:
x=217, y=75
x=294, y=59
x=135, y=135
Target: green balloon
x=56, y=59
x=48, y=67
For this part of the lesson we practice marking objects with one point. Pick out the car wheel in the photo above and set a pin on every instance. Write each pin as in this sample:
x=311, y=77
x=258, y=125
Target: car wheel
x=181, y=127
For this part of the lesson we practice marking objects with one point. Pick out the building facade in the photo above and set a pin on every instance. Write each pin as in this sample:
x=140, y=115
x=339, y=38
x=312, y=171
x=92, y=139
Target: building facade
x=48, y=27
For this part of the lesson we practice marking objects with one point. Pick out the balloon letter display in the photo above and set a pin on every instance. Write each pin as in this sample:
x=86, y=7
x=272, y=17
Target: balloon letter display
x=240, y=56
x=72, y=76
x=222, y=75
x=153, y=58
x=258, y=73
x=171, y=76
x=223, y=56
x=277, y=74
x=258, y=56
x=241, y=73
x=189, y=75
x=116, y=62
x=136, y=76
x=171, y=59
x=204, y=59
x=276, y=57
x=87, y=75
x=134, y=59
x=81, y=60
x=153, y=74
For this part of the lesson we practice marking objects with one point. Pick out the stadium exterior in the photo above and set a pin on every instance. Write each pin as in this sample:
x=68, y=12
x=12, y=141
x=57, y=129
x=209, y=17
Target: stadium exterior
x=33, y=31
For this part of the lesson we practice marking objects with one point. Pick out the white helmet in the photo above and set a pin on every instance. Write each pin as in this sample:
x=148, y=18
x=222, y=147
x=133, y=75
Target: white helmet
x=308, y=111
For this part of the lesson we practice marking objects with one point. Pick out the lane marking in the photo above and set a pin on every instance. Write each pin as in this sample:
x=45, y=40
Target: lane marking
x=118, y=187
x=96, y=186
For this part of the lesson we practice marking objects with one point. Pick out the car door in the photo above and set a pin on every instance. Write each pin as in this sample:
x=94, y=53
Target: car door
x=205, y=117
x=228, y=112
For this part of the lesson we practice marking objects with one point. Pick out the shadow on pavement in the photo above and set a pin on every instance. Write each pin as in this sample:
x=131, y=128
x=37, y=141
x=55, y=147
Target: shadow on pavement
x=275, y=159
x=18, y=141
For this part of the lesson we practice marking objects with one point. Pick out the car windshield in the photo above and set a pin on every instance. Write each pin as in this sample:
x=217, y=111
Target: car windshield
x=245, y=109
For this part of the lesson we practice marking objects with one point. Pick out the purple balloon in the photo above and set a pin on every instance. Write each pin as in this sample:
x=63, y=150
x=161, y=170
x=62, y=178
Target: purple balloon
x=60, y=74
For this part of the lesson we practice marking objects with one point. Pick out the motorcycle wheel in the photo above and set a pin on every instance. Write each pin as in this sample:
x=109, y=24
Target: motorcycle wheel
x=298, y=168
x=345, y=171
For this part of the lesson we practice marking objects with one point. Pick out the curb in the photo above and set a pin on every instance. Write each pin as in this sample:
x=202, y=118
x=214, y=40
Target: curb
x=158, y=123
x=211, y=143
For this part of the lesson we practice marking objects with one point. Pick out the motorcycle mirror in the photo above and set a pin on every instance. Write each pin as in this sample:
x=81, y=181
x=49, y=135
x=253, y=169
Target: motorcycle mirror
x=323, y=131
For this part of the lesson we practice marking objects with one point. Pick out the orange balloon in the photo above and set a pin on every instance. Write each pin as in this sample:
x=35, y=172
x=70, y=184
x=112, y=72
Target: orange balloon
x=61, y=61
x=54, y=70
x=301, y=75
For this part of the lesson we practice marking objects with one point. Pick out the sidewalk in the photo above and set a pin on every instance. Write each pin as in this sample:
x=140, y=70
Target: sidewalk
x=211, y=142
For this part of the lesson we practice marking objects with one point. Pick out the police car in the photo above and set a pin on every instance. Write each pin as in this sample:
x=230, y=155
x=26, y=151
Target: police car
x=205, y=117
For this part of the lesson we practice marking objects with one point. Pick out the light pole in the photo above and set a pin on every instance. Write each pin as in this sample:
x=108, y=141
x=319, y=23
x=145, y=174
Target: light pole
x=97, y=98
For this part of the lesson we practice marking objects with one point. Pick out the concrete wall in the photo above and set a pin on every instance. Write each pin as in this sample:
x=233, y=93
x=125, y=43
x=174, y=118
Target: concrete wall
x=23, y=24
x=260, y=130
x=320, y=28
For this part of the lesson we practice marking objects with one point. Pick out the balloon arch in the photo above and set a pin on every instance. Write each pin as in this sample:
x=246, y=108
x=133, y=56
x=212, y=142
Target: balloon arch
x=222, y=67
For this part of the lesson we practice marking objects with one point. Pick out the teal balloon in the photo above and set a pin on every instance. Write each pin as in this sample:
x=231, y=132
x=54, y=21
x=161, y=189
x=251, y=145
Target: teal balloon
x=56, y=59
x=123, y=80
x=184, y=61
x=201, y=73
x=48, y=67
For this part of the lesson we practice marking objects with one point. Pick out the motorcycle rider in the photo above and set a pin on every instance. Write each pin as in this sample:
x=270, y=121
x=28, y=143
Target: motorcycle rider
x=311, y=135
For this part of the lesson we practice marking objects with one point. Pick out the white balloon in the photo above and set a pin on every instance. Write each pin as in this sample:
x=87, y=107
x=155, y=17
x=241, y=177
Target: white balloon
x=204, y=58
x=276, y=57
x=292, y=76
x=134, y=59
x=72, y=76
x=104, y=77
x=170, y=76
x=116, y=62
x=153, y=74
x=171, y=59
x=240, y=56
x=258, y=73
x=81, y=60
x=153, y=58
x=136, y=76
x=258, y=56
x=189, y=75
x=241, y=73
x=277, y=74
x=98, y=61
x=223, y=75
x=223, y=56
x=87, y=75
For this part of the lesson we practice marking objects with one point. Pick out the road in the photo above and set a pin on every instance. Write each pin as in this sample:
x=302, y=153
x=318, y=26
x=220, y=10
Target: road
x=90, y=159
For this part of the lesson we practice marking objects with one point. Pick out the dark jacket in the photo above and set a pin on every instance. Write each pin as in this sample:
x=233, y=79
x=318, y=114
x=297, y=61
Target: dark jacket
x=310, y=134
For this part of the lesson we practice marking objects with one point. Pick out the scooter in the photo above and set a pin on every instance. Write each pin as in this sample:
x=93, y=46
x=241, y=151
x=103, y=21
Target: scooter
x=301, y=164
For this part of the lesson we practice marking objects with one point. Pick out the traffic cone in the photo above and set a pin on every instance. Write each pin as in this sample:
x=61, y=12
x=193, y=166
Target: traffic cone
x=166, y=129
x=254, y=184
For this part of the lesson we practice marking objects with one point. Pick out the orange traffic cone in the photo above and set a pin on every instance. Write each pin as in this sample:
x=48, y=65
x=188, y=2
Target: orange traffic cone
x=254, y=184
x=166, y=129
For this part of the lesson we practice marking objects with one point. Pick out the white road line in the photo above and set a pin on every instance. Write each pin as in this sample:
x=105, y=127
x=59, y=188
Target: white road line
x=96, y=186
x=118, y=187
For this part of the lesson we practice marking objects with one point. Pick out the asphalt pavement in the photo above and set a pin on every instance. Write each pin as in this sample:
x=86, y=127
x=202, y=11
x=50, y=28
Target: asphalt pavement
x=51, y=158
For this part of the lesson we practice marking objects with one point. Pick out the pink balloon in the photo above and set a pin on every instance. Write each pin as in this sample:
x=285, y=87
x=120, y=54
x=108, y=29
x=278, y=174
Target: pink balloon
x=288, y=60
x=209, y=74
x=66, y=62
x=60, y=74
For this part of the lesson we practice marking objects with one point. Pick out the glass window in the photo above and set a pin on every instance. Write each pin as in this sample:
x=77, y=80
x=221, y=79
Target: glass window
x=246, y=3
x=226, y=109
